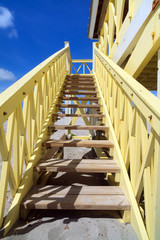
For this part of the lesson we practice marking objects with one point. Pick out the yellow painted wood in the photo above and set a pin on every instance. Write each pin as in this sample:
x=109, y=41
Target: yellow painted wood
x=147, y=46
x=89, y=137
x=146, y=163
x=119, y=14
x=111, y=26
x=17, y=92
x=125, y=183
x=106, y=36
x=155, y=229
x=82, y=60
x=27, y=128
x=148, y=199
x=135, y=91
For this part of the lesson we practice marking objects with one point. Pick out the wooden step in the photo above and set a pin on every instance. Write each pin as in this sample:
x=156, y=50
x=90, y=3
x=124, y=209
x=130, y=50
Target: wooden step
x=86, y=83
x=80, y=78
x=77, y=127
x=79, y=87
x=80, y=98
x=77, y=165
x=78, y=106
x=76, y=197
x=78, y=143
x=78, y=115
x=80, y=92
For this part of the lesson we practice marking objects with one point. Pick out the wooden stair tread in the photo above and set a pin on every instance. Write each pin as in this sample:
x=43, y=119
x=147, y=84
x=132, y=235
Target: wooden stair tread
x=80, y=98
x=79, y=143
x=77, y=165
x=79, y=86
x=80, y=92
x=79, y=83
x=78, y=127
x=78, y=105
x=86, y=83
x=76, y=197
x=80, y=78
x=78, y=115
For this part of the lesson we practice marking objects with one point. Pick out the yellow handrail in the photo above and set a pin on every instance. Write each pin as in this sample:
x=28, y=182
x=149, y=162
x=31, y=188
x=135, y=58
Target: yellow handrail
x=25, y=110
x=133, y=114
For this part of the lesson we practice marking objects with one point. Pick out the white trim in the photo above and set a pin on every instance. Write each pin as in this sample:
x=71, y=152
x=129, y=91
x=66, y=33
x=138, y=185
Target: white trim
x=93, y=18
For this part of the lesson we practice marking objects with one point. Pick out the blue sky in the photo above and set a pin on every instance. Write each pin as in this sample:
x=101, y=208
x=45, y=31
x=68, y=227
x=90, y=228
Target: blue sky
x=31, y=31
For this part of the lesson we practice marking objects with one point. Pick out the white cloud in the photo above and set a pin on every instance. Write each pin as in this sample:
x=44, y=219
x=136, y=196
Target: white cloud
x=6, y=75
x=7, y=21
x=6, y=18
x=13, y=33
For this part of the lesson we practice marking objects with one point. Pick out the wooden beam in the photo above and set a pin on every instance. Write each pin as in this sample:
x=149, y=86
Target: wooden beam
x=148, y=44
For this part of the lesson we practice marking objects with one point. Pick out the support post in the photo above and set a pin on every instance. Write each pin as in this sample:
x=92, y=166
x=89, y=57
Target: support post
x=93, y=57
x=158, y=75
x=67, y=58
x=67, y=110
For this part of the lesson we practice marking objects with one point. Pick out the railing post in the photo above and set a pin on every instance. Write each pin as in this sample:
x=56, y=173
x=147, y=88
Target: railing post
x=67, y=58
x=68, y=110
x=93, y=64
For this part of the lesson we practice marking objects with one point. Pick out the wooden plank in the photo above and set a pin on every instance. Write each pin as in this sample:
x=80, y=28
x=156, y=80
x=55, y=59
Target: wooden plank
x=73, y=77
x=49, y=160
x=80, y=98
x=78, y=143
x=79, y=87
x=39, y=191
x=79, y=115
x=78, y=106
x=83, y=80
x=80, y=92
x=76, y=197
x=78, y=127
x=77, y=165
x=78, y=82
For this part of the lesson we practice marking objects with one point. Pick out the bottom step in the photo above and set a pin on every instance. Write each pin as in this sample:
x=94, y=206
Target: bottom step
x=76, y=197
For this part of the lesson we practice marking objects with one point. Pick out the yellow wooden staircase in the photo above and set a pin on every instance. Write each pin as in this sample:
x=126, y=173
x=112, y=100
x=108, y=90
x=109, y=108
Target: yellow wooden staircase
x=116, y=110
x=77, y=196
